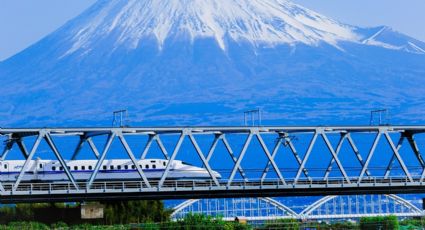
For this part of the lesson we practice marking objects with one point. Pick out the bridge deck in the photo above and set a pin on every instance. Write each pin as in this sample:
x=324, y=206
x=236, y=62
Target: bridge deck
x=122, y=190
x=238, y=181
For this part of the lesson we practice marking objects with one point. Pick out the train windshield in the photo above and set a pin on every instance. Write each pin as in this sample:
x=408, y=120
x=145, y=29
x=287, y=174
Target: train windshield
x=185, y=163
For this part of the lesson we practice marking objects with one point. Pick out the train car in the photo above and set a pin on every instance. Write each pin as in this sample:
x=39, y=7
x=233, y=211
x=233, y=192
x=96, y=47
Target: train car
x=119, y=169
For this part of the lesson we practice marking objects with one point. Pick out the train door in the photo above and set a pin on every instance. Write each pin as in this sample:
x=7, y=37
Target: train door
x=39, y=171
x=5, y=170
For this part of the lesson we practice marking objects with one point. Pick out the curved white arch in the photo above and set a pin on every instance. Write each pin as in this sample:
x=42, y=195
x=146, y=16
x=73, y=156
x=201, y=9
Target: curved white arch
x=290, y=213
x=405, y=203
x=316, y=205
x=280, y=205
x=183, y=205
x=307, y=212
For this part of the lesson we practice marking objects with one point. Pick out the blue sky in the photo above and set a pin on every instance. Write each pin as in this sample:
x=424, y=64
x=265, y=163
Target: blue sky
x=23, y=22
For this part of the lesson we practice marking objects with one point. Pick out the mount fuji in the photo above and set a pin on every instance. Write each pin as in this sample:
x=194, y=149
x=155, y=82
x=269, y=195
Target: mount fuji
x=204, y=62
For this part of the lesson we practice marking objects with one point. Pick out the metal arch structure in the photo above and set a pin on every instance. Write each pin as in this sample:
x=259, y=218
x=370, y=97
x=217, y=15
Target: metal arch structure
x=356, y=206
x=329, y=207
x=373, y=176
x=252, y=209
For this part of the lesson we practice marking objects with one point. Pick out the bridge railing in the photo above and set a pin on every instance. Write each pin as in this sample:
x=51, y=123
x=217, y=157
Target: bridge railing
x=236, y=144
x=207, y=185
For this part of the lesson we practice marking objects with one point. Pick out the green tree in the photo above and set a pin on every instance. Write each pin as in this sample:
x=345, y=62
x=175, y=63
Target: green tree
x=386, y=222
x=125, y=212
x=289, y=224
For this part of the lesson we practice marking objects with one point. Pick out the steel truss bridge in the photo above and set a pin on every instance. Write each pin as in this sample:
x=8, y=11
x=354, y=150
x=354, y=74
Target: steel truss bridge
x=256, y=159
x=329, y=207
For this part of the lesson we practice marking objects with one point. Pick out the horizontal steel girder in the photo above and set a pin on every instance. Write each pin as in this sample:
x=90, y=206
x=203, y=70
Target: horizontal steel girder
x=273, y=178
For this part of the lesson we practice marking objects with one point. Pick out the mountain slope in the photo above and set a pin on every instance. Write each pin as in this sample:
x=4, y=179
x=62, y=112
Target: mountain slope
x=256, y=21
x=205, y=62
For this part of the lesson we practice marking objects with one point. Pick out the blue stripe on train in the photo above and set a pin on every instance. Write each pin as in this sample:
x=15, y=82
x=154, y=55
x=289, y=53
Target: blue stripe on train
x=87, y=171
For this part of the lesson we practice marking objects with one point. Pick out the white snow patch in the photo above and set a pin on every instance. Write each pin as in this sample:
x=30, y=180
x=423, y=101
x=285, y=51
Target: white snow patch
x=416, y=48
x=372, y=38
x=260, y=22
x=408, y=47
x=382, y=44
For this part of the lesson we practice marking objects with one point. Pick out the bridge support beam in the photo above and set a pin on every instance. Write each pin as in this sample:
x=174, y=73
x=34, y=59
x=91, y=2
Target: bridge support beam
x=133, y=159
x=236, y=180
x=55, y=150
x=28, y=160
x=173, y=157
x=99, y=163
x=157, y=139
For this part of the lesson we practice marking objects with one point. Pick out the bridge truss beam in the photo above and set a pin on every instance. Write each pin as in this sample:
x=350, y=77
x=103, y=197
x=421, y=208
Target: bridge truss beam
x=329, y=207
x=239, y=180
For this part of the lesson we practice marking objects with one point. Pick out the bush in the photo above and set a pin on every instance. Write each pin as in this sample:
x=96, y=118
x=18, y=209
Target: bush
x=343, y=225
x=147, y=226
x=56, y=215
x=200, y=221
x=60, y=226
x=387, y=222
x=236, y=226
x=413, y=222
x=28, y=226
x=289, y=224
x=125, y=212
x=197, y=222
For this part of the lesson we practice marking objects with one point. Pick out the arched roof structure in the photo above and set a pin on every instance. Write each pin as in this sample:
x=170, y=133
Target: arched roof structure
x=329, y=207
x=250, y=208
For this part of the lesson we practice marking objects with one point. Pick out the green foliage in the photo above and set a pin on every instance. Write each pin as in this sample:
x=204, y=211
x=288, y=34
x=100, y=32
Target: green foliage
x=121, y=212
x=135, y=212
x=148, y=226
x=343, y=225
x=387, y=222
x=199, y=221
x=236, y=226
x=289, y=224
x=196, y=222
x=412, y=223
x=99, y=227
x=59, y=226
x=27, y=226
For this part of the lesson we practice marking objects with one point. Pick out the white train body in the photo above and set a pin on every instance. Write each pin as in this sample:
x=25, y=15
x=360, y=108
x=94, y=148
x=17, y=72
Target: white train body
x=118, y=170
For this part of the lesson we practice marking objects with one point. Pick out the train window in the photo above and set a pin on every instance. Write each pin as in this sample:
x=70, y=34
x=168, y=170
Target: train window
x=147, y=166
x=111, y=167
x=40, y=166
x=153, y=161
x=125, y=166
x=69, y=167
x=154, y=166
x=104, y=167
x=61, y=168
x=164, y=163
x=53, y=168
x=5, y=166
x=133, y=167
x=83, y=167
x=119, y=167
x=90, y=167
x=75, y=167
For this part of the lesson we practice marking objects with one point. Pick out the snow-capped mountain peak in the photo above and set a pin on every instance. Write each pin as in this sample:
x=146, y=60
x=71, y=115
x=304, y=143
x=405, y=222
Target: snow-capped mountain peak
x=267, y=22
x=386, y=37
x=204, y=62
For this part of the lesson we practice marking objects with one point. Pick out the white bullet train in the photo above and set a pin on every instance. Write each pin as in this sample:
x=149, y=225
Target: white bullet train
x=81, y=170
